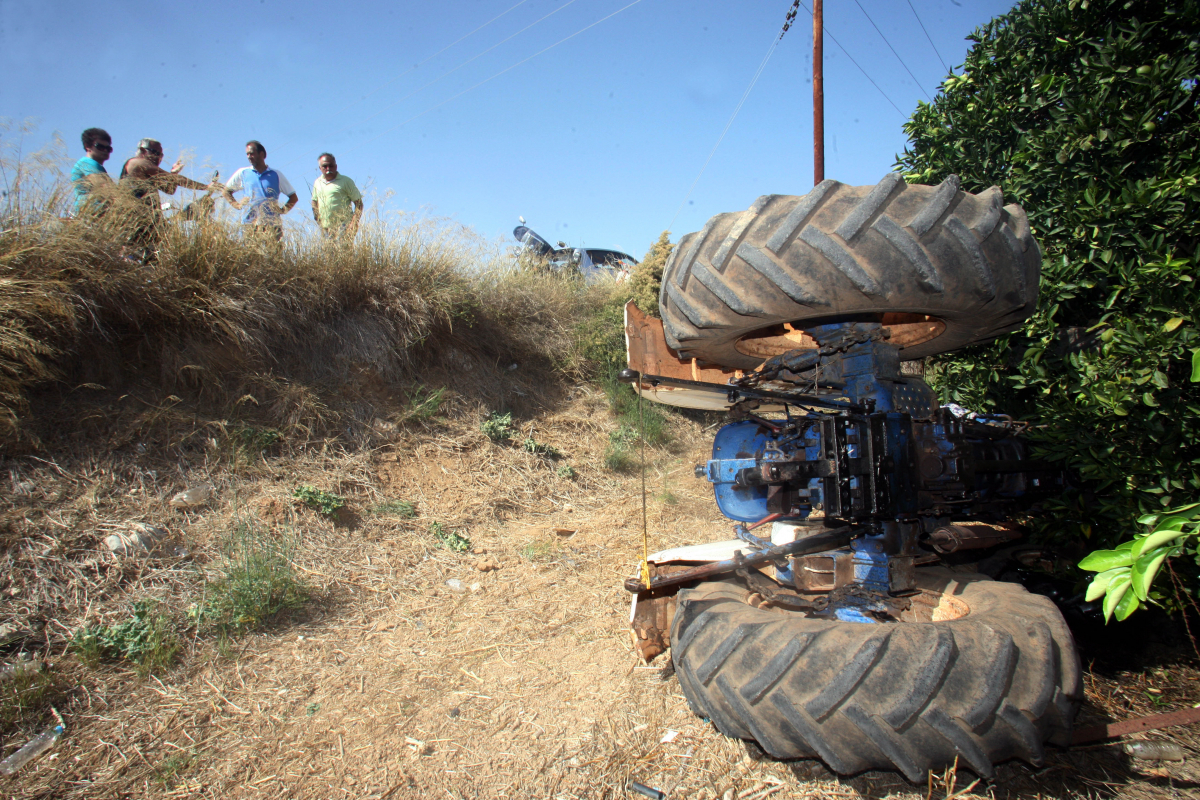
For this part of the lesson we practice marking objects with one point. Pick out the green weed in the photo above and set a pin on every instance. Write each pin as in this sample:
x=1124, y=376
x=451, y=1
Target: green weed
x=258, y=582
x=539, y=551
x=423, y=404
x=620, y=455
x=565, y=471
x=23, y=695
x=531, y=445
x=395, y=508
x=326, y=502
x=498, y=427
x=171, y=769
x=148, y=639
x=451, y=540
x=255, y=440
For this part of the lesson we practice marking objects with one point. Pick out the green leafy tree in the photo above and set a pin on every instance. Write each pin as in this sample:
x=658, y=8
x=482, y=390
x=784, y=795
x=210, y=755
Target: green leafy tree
x=1086, y=114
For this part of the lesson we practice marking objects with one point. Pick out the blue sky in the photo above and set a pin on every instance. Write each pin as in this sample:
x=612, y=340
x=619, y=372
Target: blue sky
x=596, y=141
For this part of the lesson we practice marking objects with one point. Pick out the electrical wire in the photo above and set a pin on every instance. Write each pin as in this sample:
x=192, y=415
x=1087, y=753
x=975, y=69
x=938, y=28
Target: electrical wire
x=444, y=74
x=927, y=36
x=770, y=50
x=390, y=81
x=889, y=44
x=855, y=63
x=493, y=77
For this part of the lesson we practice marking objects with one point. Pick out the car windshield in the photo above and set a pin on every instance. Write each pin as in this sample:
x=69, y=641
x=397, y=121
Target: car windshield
x=612, y=259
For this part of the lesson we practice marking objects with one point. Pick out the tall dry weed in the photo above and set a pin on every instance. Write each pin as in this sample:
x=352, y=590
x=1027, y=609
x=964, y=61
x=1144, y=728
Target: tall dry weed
x=297, y=333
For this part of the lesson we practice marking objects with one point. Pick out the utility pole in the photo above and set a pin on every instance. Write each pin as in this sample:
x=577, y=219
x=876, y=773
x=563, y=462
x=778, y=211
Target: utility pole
x=818, y=95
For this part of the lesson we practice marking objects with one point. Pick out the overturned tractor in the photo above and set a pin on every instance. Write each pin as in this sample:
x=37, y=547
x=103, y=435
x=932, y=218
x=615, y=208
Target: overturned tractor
x=840, y=623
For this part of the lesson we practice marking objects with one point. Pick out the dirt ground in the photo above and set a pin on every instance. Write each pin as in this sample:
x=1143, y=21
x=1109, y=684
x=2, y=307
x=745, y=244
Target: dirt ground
x=392, y=683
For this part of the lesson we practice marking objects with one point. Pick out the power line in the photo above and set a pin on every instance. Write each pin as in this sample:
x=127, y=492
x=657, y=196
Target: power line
x=389, y=82
x=732, y=117
x=497, y=75
x=889, y=44
x=855, y=63
x=927, y=36
x=444, y=74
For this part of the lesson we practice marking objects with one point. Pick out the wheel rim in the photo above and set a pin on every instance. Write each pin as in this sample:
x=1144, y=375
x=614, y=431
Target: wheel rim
x=907, y=330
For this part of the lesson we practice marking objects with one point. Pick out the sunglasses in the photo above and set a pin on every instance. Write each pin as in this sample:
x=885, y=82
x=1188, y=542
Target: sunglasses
x=106, y=147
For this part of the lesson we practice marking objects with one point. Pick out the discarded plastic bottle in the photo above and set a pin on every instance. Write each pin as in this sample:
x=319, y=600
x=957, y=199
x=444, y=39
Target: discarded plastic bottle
x=1154, y=751
x=37, y=746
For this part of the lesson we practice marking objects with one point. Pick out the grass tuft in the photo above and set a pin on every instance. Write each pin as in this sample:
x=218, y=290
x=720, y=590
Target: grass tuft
x=256, y=584
x=395, y=508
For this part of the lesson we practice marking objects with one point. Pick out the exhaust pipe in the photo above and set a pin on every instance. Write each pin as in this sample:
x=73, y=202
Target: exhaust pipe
x=972, y=536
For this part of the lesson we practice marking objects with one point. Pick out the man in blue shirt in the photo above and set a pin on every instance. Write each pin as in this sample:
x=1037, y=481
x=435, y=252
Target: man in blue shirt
x=263, y=186
x=89, y=172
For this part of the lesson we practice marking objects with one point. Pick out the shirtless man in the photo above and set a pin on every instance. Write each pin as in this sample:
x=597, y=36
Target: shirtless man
x=143, y=179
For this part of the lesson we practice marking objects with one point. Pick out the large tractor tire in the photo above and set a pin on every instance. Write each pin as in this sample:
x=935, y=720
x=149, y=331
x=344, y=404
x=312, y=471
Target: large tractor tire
x=941, y=268
x=991, y=676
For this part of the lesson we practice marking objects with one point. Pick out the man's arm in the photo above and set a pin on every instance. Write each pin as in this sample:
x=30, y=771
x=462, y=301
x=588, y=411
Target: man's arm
x=358, y=212
x=316, y=215
x=293, y=198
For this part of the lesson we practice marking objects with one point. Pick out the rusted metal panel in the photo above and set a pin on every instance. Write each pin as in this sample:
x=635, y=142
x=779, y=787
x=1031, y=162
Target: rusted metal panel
x=650, y=620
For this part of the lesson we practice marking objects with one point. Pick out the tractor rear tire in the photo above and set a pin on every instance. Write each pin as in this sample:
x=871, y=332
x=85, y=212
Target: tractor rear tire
x=992, y=683
x=954, y=268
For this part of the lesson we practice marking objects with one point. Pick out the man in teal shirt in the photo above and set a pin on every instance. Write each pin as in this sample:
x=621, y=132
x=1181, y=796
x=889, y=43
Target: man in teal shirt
x=89, y=172
x=337, y=203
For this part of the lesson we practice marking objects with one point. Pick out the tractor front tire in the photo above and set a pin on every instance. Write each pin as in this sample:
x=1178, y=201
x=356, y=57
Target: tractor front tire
x=992, y=675
x=942, y=268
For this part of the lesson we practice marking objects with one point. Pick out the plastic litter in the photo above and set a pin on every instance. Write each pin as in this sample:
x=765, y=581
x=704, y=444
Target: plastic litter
x=649, y=791
x=1154, y=751
x=456, y=586
x=192, y=496
x=37, y=746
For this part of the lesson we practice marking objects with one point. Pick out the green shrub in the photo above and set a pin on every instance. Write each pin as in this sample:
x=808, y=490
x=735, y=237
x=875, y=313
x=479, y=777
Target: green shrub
x=646, y=280
x=256, y=583
x=1085, y=113
x=148, y=639
x=423, y=404
x=319, y=500
x=498, y=427
x=565, y=471
x=451, y=540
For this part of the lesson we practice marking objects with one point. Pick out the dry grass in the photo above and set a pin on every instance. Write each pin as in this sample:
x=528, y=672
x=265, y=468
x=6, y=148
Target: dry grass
x=308, y=335
x=392, y=684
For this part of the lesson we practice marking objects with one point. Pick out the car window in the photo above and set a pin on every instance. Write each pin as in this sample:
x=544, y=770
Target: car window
x=611, y=259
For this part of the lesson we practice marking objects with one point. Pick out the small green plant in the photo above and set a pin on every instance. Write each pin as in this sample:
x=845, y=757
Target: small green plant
x=255, y=440
x=311, y=709
x=451, y=540
x=395, y=508
x=257, y=582
x=1125, y=575
x=326, y=502
x=533, y=446
x=539, y=551
x=23, y=695
x=423, y=404
x=667, y=497
x=147, y=638
x=498, y=427
x=171, y=769
x=620, y=455
x=565, y=471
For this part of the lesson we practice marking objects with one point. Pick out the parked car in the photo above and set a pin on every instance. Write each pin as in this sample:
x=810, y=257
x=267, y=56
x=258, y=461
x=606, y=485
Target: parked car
x=593, y=263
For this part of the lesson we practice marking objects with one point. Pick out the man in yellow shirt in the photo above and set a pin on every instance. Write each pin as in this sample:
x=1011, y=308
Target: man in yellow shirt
x=337, y=204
